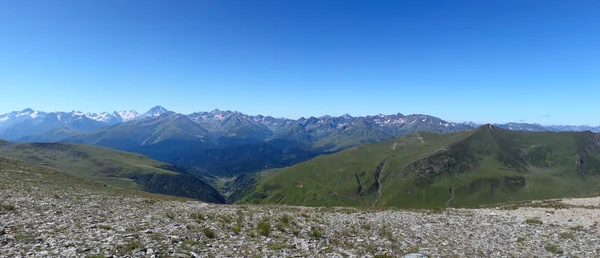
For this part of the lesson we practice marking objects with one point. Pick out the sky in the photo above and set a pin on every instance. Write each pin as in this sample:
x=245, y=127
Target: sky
x=534, y=61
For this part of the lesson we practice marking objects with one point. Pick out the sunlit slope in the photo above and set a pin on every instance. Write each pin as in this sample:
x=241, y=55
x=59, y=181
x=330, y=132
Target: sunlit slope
x=483, y=166
x=112, y=167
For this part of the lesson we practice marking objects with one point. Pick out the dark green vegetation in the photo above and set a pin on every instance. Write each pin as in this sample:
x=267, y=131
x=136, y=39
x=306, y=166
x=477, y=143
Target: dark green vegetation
x=114, y=168
x=426, y=170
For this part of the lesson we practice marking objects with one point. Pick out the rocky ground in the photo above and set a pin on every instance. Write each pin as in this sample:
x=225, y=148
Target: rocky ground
x=46, y=213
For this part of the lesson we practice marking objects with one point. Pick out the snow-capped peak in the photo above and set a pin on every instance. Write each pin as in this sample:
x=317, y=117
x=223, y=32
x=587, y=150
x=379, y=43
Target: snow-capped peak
x=25, y=112
x=128, y=115
x=100, y=117
x=154, y=112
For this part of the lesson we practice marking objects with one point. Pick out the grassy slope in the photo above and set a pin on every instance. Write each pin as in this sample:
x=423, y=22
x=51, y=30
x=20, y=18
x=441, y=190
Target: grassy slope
x=115, y=168
x=97, y=163
x=483, y=166
x=48, y=180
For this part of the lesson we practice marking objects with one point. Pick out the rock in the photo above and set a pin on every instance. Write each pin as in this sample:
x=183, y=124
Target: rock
x=69, y=252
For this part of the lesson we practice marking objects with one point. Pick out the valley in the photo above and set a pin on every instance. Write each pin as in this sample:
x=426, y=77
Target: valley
x=414, y=161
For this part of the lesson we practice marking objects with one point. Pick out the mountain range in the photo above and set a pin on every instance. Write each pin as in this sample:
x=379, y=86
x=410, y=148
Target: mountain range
x=226, y=143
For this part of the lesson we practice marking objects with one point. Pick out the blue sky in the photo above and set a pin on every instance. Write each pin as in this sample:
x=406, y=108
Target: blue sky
x=483, y=61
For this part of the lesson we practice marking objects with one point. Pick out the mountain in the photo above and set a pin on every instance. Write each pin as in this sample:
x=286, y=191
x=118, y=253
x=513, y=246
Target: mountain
x=114, y=168
x=524, y=127
x=231, y=124
x=30, y=124
x=35, y=124
x=127, y=115
x=168, y=127
x=105, y=117
x=15, y=117
x=549, y=128
x=226, y=143
x=469, y=168
x=153, y=112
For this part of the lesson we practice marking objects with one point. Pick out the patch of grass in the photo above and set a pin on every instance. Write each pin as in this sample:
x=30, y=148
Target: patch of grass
x=285, y=219
x=566, y=235
x=264, y=228
x=534, y=221
x=130, y=246
x=554, y=204
x=157, y=236
x=24, y=236
x=105, y=227
x=280, y=226
x=520, y=240
x=238, y=224
x=198, y=217
x=170, y=215
x=576, y=228
x=7, y=207
x=296, y=232
x=436, y=211
x=383, y=256
x=95, y=256
x=276, y=246
x=316, y=232
x=192, y=242
x=226, y=219
x=554, y=249
x=366, y=227
x=411, y=250
x=209, y=233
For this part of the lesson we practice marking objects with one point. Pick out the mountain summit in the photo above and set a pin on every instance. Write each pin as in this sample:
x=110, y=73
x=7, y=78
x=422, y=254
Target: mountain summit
x=153, y=112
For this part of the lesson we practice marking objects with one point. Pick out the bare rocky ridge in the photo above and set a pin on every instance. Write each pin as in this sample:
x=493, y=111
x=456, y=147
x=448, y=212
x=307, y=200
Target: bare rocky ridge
x=47, y=213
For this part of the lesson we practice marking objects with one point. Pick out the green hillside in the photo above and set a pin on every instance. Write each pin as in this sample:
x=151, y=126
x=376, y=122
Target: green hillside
x=423, y=170
x=114, y=168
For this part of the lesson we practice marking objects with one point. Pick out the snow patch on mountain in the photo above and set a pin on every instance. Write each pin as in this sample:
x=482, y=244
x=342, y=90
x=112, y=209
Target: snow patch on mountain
x=128, y=115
